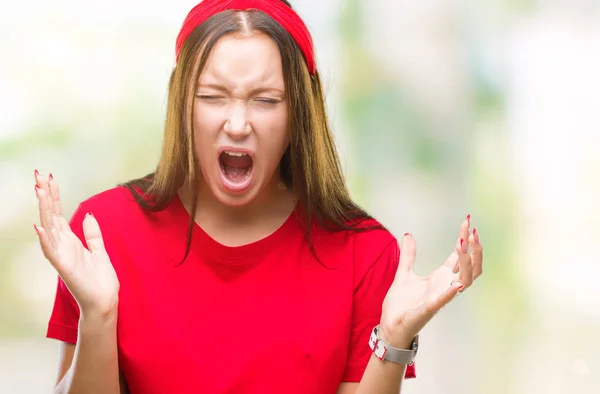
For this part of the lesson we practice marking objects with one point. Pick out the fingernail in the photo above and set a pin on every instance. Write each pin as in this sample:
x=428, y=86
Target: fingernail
x=37, y=188
x=461, y=287
x=407, y=234
x=461, y=242
x=469, y=217
x=37, y=230
x=50, y=177
x=36, y=173
x=474, y=231
x=89, y=214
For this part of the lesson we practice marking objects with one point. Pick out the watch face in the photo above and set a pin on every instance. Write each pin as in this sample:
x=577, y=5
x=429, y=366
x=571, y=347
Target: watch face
x=372, y=342
x=415, y=345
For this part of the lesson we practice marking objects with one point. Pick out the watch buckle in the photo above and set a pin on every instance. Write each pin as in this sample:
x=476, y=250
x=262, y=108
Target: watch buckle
x=377, y=350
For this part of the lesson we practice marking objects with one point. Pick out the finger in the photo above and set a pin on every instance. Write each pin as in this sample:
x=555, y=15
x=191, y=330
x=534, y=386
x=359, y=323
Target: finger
x=445, y=296
x=46, y=210
x=476, y=254
x=55, y=194
x=465, y=266
x=47, y=247
x=452, y=261
x=463, y=231
x=41, y=182
x=93, y=236
x=63, y=225
x=451, y=292
x=408, y=250
x=457, y=246
x=56, y=229
x=36, y=176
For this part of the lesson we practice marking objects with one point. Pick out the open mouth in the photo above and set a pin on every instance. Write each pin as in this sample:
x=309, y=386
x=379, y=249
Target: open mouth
x=236, y=168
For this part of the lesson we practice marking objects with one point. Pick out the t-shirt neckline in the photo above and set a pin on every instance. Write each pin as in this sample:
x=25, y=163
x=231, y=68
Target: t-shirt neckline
x=210, y=248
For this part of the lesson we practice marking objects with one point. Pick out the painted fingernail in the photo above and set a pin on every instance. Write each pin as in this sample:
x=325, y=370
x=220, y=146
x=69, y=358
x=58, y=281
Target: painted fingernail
x=407, y=234
x=474, y=231
x=461, y=242
x=461, y=287
x=50, y=177
x=469, y=217
x=37, y=188
x=37, y=230
x=36, y=173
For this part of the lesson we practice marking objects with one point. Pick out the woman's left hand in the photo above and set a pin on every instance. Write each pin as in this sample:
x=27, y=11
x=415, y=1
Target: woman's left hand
x=412, y=300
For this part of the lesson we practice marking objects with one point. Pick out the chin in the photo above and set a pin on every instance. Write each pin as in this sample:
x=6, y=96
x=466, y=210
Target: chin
x=238, y=200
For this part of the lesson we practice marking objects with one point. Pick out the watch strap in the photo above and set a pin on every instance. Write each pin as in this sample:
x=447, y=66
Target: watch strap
x=383, y=351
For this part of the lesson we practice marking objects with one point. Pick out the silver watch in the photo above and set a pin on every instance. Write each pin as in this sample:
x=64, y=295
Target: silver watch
x=383, y=351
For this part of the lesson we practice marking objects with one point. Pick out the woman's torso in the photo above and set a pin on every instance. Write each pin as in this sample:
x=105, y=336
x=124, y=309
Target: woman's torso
x=261, y=318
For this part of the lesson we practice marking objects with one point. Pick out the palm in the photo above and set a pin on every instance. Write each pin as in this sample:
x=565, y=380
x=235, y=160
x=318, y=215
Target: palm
x=88, y=274
x=417, y=298
x=412, y=300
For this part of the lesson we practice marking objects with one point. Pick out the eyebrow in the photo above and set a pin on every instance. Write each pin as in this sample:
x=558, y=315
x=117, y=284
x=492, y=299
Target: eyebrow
x=222, y=88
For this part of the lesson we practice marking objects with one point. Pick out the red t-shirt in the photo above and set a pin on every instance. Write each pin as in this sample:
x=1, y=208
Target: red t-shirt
x=266, y=317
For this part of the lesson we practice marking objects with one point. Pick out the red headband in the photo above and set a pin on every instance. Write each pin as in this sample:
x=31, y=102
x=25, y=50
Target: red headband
x=276, y=9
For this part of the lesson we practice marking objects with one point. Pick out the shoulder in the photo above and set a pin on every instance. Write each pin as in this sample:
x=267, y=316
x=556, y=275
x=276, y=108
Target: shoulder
x=113, y=205
x=118, y=197
x=371, y=238
x=128, y=228
x=375, y=247
x=364, y=246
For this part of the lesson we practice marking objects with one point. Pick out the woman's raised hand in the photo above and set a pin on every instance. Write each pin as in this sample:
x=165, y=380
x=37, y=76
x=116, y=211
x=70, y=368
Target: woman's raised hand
x=413, y=300
x=88, y=273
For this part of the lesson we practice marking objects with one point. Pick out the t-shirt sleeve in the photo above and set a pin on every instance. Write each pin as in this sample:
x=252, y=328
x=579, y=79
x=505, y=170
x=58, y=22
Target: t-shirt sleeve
x=368, y=299
x=64, y=320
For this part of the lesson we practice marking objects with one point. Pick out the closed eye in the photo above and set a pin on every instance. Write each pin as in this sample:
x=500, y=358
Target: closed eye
x=208, y=97
x=267, y=100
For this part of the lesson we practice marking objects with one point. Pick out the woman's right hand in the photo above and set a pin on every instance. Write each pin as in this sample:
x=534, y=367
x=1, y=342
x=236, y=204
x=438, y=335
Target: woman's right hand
x=88, y=273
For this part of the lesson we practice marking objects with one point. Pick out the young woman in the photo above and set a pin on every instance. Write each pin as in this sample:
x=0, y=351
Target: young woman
x=241, y=264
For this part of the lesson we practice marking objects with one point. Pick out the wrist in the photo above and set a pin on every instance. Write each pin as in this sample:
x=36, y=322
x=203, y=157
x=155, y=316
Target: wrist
x=392, y=348
x=395, y=338
x=95, y=315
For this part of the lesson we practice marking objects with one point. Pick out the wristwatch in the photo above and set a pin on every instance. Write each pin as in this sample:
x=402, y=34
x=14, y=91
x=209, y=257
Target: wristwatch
x=383, y=351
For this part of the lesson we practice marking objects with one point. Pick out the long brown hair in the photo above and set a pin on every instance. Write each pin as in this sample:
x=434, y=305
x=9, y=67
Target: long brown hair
x=310, y=167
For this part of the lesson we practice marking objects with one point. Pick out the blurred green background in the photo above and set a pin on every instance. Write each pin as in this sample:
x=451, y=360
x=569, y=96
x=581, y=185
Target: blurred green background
x=439, y=108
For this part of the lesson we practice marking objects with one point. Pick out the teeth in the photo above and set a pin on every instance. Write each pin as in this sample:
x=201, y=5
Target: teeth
x=238, y=154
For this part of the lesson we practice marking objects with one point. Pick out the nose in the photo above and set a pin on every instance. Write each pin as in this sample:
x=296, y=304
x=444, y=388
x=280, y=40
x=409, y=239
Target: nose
x=237, y=125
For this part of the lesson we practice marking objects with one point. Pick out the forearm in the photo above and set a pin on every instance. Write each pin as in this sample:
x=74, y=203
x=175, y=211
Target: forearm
x=381, y=377
x=95, y=366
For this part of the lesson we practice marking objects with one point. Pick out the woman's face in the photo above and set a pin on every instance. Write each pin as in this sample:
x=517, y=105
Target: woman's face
x=240, y=118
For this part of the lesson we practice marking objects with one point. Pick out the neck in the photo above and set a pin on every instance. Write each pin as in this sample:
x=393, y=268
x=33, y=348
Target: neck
x=274, y=202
